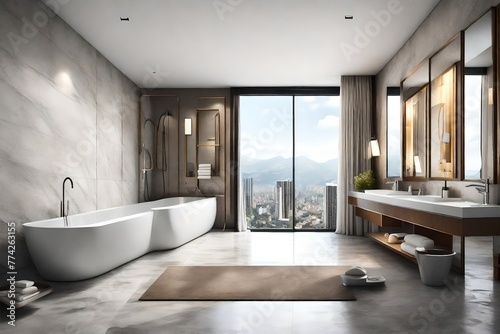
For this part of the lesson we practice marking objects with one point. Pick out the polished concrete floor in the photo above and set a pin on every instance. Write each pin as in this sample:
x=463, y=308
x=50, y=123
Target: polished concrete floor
x=109, y=303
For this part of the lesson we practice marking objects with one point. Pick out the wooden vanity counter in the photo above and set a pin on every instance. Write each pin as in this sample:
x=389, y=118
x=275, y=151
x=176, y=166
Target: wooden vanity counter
x=447, y=231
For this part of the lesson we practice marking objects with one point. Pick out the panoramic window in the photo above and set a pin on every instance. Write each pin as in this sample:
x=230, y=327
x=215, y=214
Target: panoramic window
x=288, y=161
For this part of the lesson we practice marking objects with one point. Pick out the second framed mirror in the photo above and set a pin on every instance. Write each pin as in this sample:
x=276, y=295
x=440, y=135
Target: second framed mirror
x=444, y=118
x=414, y=95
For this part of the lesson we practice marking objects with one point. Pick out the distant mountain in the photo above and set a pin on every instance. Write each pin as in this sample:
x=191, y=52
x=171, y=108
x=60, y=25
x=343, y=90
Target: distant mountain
x=307, y=171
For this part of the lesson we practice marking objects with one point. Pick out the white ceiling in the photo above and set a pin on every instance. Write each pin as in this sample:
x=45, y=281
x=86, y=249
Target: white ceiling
x=226, y=43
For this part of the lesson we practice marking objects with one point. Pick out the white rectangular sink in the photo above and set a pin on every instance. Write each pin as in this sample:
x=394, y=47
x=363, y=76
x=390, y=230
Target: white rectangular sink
x=387, y=192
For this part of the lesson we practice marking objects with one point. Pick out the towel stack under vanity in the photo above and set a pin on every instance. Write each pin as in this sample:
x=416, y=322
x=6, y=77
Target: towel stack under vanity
x=24, y=290
x=204, y=171
x=413, y=241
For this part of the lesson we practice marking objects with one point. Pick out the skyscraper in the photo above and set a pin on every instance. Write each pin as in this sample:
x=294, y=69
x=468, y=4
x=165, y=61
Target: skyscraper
x=330, y=206
x=283, y=199
x=248, y=195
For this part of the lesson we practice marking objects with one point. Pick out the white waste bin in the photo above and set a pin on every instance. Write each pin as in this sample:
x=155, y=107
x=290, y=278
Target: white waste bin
x=434, y=265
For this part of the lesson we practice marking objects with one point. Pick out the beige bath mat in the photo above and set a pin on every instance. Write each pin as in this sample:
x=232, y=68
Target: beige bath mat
x=262, y=283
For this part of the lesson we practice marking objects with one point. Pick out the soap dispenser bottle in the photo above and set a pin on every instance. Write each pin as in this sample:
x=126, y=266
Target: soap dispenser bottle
x=444, y=191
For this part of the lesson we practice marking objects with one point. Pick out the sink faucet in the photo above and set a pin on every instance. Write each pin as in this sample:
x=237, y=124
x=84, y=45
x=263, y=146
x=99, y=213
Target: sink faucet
x=395, y=184
x=64, y=212
x=483, y=189
x=421, y=189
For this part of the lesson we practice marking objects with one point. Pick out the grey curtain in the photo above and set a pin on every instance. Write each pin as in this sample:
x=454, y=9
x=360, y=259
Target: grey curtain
x=356, y=98
x=242, y=217
x=237, y=196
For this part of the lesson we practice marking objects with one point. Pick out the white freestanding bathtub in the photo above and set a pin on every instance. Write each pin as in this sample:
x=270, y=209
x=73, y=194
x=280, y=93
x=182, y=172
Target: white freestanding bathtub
x=99, y=241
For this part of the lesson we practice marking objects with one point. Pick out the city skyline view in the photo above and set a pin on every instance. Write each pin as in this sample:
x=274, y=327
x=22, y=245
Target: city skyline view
x=277, y=133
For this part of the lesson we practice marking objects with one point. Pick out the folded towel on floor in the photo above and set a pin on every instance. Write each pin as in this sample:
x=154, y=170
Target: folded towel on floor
x=24, y=283
x=408, y=248
x=417, y=240
x=21, y=298
x=26, y=291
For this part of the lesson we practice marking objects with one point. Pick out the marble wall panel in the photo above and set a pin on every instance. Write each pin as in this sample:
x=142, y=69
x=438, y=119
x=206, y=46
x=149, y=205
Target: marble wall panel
x=47, y=115
x=42, y=55
x=110, y=114
x=109, y=161
x=109, y=194
x=63, y=112
x=130, y=192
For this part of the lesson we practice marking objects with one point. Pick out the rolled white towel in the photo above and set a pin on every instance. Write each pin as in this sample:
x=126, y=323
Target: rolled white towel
x=417, y=240
x=408, y=248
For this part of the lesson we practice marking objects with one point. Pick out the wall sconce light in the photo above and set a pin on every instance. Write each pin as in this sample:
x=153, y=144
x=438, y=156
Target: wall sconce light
x=375, y=148
x=187, y=126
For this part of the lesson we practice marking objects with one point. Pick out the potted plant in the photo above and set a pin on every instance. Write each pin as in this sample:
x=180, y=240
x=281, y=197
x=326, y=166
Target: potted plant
x=365, y=180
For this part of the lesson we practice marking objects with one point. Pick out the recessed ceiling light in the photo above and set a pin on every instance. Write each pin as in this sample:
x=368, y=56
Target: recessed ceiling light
x=348, y=17
x=124, y=18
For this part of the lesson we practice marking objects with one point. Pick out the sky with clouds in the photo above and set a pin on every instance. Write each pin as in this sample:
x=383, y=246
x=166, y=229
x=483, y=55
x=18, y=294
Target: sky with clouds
x=266, y=127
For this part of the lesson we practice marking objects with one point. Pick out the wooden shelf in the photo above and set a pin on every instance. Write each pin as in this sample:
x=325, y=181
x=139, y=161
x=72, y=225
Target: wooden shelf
x=381, y=239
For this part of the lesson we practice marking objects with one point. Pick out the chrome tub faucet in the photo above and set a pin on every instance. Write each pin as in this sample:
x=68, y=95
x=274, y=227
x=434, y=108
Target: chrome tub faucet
x=65, y=210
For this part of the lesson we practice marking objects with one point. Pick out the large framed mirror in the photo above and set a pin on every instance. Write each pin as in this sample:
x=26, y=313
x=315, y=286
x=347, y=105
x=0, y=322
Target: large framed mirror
x=444, y=117
x=414, y=94
x=479, y=118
